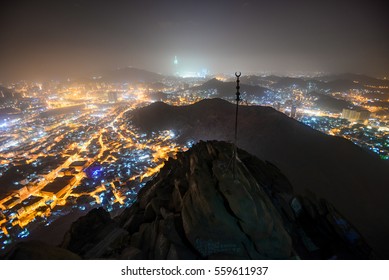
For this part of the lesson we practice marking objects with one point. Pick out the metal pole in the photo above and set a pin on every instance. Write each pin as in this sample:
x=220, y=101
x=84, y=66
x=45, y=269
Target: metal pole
x=237, y=75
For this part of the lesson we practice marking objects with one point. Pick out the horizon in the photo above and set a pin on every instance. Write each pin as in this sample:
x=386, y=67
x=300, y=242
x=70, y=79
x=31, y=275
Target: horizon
x=194, y=130
x=96, y=75
x=71, y=38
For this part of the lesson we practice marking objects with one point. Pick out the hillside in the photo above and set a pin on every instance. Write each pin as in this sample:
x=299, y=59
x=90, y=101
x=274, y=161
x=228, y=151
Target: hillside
x=363, y=79
x=336, y=84
x=130, y=75
x=6, y=93
x=327, y=167
x=224, y=88
x=196, y=209
x=329, y=103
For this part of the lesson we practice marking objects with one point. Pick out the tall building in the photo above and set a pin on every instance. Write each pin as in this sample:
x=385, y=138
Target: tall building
x=355, y=115
x=175, y=63
x=112, y=96
x=293, y=111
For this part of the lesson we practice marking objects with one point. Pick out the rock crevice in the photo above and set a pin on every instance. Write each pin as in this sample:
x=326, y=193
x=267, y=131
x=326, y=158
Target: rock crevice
x=196, y=209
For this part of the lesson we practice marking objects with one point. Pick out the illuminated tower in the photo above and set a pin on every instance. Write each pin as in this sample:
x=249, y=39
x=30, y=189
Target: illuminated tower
x=175, y=62
x=112, y=97
x=293, y=111
x=234, y=152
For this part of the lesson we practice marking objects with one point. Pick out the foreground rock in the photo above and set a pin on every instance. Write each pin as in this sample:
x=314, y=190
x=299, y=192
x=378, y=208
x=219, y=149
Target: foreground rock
x=40, y=251
x=95, y=235
x=353, y=180
x=195, y=208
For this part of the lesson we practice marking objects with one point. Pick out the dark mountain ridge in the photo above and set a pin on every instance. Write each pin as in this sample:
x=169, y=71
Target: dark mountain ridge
x=332, y=83
x=6, y=93
x=224, y=88
x=130, y=75
x=332, y=104
x=363, y=79
x=327, y=167
x=195, y=208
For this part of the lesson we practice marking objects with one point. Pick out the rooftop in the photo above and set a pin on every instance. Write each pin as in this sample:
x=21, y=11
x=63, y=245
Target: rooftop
x=58, y=184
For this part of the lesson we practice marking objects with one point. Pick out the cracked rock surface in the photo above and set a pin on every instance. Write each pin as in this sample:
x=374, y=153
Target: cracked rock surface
x=198, y=210
x=195, y=208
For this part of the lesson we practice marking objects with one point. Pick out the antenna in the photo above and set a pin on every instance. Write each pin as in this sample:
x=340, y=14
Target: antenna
x=234, y=155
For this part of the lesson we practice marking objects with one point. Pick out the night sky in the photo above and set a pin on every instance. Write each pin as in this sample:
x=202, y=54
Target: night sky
x=43, y=38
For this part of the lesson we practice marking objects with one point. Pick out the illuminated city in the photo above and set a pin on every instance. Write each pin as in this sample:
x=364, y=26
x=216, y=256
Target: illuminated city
x=194, y=130
x=86, y=155
x=71, y=147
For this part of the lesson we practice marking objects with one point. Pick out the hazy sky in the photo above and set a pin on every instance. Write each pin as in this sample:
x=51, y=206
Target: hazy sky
x=42, y=37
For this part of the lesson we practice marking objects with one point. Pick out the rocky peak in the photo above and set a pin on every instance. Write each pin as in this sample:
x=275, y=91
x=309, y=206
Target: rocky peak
x=195, y=209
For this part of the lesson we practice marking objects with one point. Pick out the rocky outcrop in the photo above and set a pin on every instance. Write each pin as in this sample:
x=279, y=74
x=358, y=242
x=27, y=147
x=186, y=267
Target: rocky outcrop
x=95, y=235
x=351, y=179
x=195, y=208
x=37, y=250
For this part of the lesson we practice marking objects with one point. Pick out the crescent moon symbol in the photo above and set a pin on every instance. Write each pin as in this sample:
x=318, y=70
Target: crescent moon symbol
x=237, y=74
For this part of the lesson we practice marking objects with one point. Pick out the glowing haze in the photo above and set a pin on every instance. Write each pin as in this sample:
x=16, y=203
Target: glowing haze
x=47, y=38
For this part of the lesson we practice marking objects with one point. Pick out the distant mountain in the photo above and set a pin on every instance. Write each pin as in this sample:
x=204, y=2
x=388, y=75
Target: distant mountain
x=333, y=85
x=341, y=85
x=336, y=85
x=8, y=98
x=264, y=81
x=6, y=93
x=290, y=82
x=382, y=104
x=6, y=111
x=227, y=89
x=329, y=103
x=363, y=79
x=317, y=165
x=382, y=96
x=157, y=86
x=356, y=81
x=158, y=96
x=130, y=75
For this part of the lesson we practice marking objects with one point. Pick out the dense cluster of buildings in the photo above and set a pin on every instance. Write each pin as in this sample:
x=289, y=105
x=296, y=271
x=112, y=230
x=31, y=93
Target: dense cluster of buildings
x=74, y=160
x=355, y=115
x=69, y=146
x=372, y=135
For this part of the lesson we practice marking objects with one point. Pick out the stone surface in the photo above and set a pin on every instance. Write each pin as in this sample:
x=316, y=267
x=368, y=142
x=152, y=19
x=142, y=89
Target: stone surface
x=208, y=214
x=352, y=179
x=40, y=251
x=95, y=235
x=195, y=208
